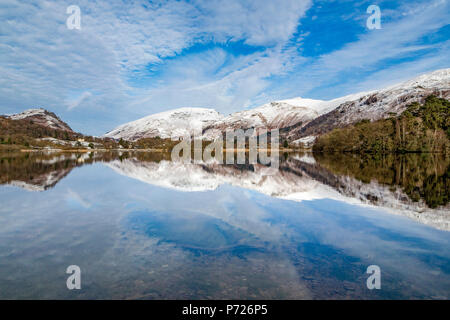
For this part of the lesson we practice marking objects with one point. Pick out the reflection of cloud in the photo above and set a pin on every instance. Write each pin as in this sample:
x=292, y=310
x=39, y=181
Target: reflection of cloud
x=379, y=238
x=74, y=198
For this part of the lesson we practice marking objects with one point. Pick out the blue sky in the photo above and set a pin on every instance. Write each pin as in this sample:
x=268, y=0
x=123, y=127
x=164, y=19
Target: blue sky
x=134, y=58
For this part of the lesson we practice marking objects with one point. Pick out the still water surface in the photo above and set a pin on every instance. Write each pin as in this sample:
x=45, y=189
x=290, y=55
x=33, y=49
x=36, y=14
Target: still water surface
x=142, y=227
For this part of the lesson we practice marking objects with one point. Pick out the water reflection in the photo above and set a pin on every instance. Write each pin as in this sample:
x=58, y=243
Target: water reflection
x=420, y=176
x=410, y=184
x=160, y=229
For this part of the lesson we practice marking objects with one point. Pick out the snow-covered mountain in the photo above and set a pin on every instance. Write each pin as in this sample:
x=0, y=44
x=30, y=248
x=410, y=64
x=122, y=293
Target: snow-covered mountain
x=299, y=118
x=185, y=121
x=42, y=117
x=378, y=104
x=170, y=124
x=273, y=115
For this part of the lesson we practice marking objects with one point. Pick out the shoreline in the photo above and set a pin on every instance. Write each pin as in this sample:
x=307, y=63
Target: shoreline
x=144, y=150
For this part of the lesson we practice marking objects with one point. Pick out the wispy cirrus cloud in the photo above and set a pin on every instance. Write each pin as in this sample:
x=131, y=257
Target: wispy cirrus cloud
x=73, y=103
x=403, y=48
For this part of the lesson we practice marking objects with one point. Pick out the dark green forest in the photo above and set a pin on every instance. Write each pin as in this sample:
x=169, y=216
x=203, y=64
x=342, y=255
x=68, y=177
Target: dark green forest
x=420, y=128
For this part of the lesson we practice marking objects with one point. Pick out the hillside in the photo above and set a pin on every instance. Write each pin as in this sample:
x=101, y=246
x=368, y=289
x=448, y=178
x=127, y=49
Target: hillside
x=379, y=104
x=32, y=125
x=42, y=118
x=36, y=123
x=420, y=128
x=39, y=128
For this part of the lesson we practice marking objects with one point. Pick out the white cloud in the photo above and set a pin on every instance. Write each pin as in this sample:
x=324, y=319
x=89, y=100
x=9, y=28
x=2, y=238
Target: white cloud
x=71, y=104
x=191, y=81
x=268, y=23
x=43, y=62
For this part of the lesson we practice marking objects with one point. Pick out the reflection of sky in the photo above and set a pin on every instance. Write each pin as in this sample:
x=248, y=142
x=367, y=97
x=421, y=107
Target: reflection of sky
x=98, y=218
x=393, y=242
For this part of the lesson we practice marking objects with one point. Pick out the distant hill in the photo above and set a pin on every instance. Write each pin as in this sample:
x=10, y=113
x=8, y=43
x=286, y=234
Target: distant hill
x=39, y=128
x=43, y=118
x=32, y=124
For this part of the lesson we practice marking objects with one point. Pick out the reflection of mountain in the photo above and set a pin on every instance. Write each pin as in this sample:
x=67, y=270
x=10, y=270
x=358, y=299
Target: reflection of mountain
x=42, y=181
x=409, y=185
x=299, y=178
x=422, y=178
x=39, y=172
x=190, y=177
x=394, y=195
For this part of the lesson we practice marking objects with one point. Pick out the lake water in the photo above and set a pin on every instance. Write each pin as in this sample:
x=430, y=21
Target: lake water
x=142, y=227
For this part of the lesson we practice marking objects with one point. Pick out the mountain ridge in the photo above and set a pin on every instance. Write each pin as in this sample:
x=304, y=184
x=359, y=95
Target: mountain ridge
x=297, y=118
